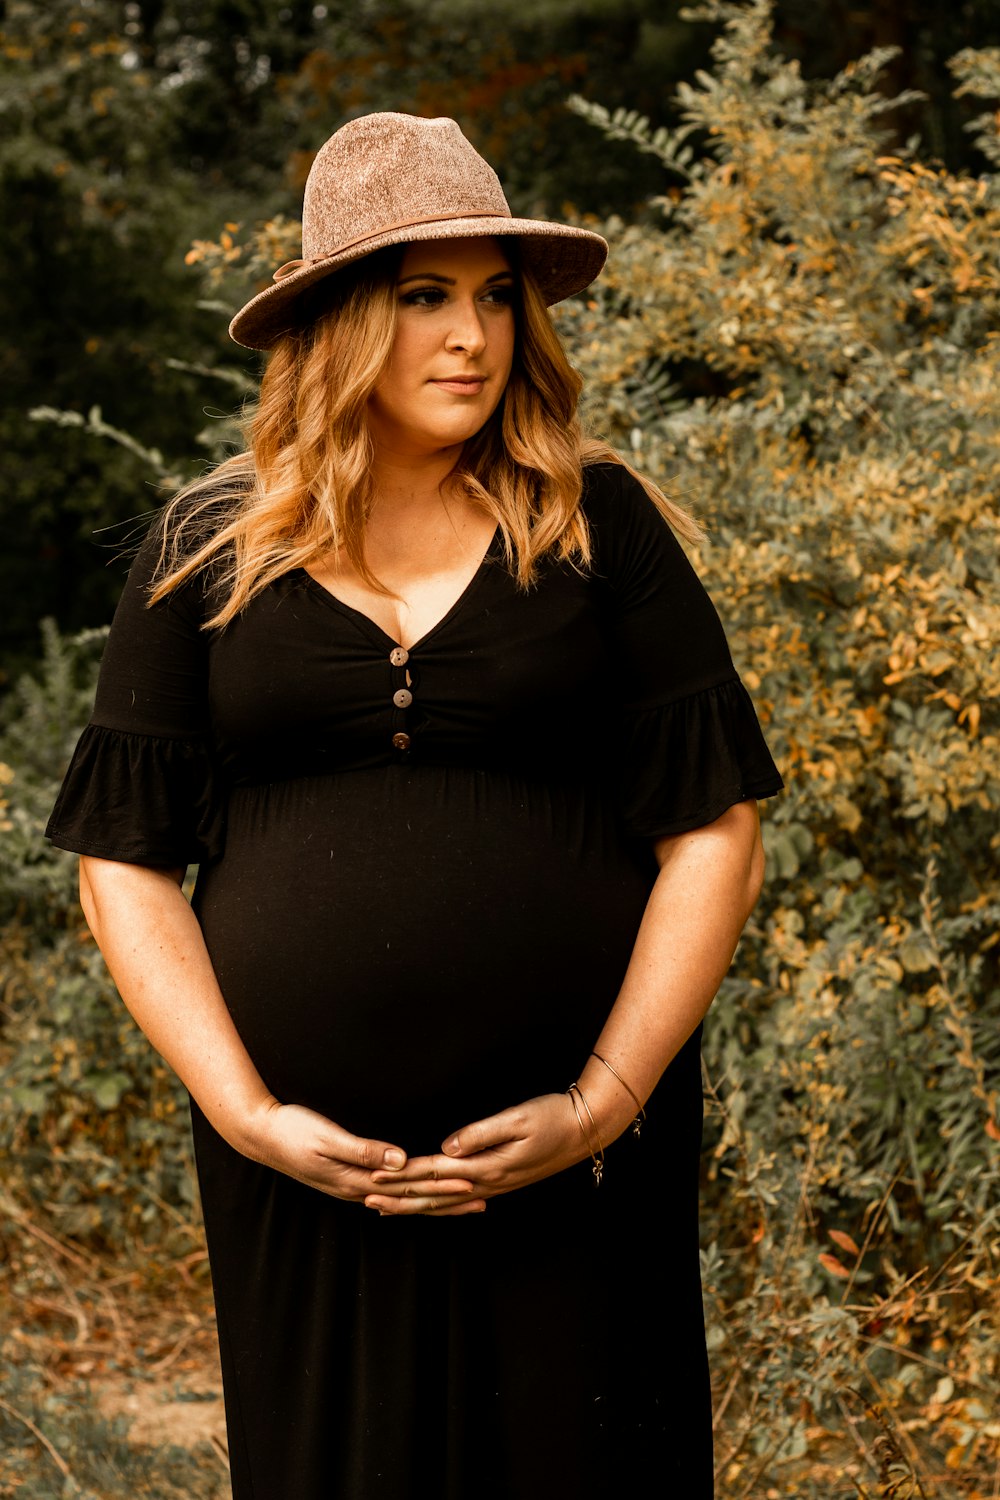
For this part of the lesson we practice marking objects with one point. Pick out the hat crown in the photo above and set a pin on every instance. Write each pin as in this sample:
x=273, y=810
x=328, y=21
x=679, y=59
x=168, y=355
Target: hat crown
x=385, y=171
x=391, y=179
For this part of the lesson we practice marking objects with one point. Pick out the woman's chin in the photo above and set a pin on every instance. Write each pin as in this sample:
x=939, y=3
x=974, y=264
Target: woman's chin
x=436, y=431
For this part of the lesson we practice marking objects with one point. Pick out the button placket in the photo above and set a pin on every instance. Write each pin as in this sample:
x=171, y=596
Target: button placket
x=402, y=698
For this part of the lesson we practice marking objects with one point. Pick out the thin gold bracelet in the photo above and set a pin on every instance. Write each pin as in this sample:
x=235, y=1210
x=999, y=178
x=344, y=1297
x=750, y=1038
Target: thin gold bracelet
x=640, y=1118
x=598, y=1157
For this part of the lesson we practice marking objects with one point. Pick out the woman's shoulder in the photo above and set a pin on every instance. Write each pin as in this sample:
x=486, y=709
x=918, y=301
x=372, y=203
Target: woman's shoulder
x=629, y=522
x=189, y=530
x=205, y=507
x=602, y=481
x=669, y=633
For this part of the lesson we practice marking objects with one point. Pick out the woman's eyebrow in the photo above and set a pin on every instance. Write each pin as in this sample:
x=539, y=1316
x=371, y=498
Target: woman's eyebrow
x=450, y=280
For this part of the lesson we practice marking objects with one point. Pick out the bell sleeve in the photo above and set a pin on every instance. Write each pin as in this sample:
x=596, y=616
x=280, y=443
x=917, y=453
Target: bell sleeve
x=140, y=787
x=689, y=742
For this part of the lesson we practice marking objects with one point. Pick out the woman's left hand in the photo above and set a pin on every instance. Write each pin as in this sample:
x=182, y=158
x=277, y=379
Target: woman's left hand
x=503, y=1152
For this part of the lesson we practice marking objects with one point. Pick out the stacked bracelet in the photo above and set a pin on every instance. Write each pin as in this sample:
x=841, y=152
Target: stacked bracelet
x=598, y=1157
x=637, y=1123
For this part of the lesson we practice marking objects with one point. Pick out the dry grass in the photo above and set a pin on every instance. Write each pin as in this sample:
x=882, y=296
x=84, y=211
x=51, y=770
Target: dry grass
x=111, y=1377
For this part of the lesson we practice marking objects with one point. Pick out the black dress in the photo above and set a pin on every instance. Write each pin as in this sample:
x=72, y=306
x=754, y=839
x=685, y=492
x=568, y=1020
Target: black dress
x=420, y=912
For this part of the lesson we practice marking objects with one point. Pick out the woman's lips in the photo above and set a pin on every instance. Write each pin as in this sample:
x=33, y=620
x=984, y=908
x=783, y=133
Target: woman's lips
x=469, y=385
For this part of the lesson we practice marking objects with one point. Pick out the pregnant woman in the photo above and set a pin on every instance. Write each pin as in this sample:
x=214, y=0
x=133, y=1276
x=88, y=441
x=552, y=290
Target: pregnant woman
x=425, y=686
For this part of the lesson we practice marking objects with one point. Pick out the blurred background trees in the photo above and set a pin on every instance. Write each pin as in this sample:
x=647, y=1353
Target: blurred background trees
x=797, y=336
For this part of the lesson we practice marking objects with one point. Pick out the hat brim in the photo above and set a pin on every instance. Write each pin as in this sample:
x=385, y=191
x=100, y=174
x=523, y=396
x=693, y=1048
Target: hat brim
x=561, y=258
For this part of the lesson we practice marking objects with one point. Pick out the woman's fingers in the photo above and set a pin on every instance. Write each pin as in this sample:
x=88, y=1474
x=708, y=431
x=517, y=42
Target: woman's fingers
x=436, y=1204
x=495, y=1155
x=314, y=1150
x=371, y=1156
x=431, y=1171
x=428, y=1186
x=482, y=1135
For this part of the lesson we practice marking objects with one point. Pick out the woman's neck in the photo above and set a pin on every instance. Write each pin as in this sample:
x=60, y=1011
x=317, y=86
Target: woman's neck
x=409, y=483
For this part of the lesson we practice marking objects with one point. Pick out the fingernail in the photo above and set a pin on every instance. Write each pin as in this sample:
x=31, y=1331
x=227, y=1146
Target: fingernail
x=393, y=1158
x=451, y=1148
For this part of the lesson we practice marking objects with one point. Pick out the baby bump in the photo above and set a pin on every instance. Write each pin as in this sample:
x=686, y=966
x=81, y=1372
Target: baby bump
x=406, y=950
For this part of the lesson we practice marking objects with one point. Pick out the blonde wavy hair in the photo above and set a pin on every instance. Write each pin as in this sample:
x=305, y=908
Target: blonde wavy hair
x=303, y=487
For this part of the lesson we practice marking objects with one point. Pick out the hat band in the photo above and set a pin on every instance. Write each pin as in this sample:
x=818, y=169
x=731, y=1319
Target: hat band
x=316, y=260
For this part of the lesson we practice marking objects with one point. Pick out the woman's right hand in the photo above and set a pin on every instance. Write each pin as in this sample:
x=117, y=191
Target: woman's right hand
x=307, y=1146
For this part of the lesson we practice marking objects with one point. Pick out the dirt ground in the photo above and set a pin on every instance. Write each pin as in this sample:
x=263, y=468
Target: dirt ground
x=165, y=1411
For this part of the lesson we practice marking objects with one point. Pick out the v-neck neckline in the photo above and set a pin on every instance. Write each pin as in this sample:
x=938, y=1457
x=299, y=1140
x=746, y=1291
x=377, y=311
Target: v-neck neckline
x=372, y=627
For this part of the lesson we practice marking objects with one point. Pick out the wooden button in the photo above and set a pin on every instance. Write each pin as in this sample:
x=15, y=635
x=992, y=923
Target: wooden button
x=402, y=698
x=399, y=656
x=401, y=742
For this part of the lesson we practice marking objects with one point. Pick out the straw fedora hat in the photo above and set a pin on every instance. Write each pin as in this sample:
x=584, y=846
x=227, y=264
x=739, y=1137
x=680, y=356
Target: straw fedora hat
x=391, y=179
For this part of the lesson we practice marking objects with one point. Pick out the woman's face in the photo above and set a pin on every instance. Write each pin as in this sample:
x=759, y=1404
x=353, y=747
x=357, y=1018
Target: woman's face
x=454, y=345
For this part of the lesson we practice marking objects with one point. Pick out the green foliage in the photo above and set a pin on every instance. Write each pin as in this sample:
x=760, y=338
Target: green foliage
x=92, y=1125
x=978, y=71
x=96, y=211
x=41, y=724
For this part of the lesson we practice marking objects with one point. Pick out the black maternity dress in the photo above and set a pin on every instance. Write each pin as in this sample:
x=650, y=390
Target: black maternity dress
x=421, y=877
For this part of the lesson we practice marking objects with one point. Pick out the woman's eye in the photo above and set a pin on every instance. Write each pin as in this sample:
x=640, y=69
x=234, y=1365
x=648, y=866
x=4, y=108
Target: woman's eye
x=435, y=296
x=424, y=296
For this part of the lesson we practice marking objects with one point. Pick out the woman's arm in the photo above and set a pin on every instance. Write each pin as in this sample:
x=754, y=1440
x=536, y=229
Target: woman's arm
x=153, y=945
x=708, y=882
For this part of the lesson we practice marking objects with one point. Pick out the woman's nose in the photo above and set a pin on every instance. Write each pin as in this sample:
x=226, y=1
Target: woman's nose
x=466, y=331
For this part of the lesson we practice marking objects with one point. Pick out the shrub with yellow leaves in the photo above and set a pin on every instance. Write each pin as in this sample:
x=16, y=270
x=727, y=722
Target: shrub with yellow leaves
x=803, y=348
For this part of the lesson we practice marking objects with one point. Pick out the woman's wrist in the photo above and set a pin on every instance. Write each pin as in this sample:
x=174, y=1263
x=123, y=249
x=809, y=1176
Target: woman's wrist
x=639, y=1119
x=243, y=1118
x=588, y=1129
x=612, y=1109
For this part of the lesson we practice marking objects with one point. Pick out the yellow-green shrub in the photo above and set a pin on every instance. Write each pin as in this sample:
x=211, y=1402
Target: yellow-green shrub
x=803, y=348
